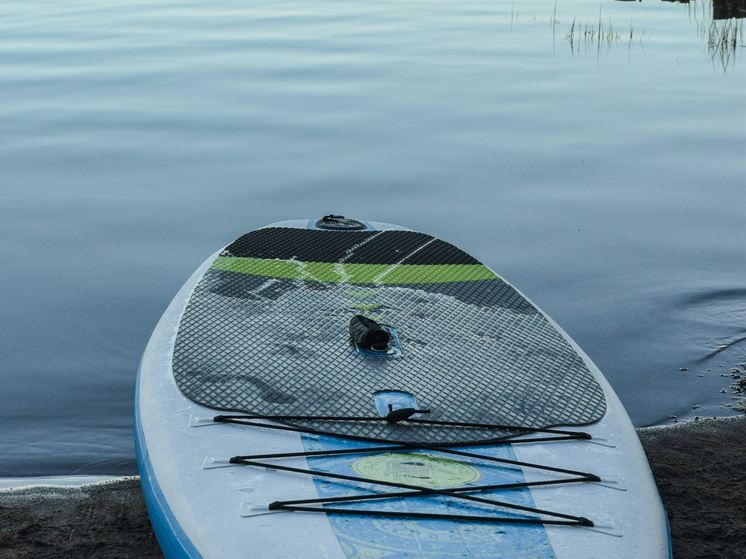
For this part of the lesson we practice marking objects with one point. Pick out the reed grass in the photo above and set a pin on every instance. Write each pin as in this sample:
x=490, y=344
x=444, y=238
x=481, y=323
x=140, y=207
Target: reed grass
x=597, y=35
x=722, y=38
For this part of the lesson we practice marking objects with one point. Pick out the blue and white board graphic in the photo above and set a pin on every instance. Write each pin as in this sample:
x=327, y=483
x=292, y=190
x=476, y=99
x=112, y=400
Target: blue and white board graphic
x=364, y=537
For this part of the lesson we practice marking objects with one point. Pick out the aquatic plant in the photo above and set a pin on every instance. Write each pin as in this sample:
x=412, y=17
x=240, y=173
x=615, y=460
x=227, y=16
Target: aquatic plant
x=600, y=34
x=719, y=27
x=722, y=38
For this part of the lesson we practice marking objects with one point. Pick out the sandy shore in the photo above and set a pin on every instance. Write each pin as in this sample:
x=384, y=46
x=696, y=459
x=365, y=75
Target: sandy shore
x=700, y=468
x=106, y=520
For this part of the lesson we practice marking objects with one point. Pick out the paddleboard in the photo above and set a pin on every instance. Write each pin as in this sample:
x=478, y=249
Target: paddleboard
x=336, y=389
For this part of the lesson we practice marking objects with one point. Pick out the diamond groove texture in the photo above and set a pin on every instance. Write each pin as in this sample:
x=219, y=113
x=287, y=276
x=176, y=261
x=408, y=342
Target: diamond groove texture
x=352, y=247
x=474, y=350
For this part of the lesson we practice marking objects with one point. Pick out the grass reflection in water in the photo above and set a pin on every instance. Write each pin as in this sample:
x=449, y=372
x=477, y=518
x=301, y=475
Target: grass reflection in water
x=719, y=25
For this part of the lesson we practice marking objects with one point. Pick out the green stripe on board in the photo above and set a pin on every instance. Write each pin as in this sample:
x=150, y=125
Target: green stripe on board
x=354, y=273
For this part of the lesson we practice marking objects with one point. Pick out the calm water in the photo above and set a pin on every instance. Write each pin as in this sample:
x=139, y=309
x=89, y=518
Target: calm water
x=604, y=178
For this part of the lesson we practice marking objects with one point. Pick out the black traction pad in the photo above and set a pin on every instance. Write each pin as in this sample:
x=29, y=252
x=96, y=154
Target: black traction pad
x=263, y=335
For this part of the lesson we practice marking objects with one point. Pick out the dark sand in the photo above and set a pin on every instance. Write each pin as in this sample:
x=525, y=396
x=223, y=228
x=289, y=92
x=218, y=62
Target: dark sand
x=106, y=520
x=699, y=466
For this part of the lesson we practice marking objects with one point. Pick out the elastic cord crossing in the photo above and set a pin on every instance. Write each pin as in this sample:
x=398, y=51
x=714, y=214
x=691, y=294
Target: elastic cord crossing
x=395, y=416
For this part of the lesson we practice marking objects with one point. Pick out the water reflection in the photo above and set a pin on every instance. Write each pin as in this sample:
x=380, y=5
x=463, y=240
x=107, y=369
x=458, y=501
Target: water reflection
x=600, y=35
x=719, y=27
x=726, y=9
x=721, y=9
x=722, y=40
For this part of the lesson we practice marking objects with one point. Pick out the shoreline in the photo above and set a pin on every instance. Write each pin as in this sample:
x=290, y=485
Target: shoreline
x=699, y=468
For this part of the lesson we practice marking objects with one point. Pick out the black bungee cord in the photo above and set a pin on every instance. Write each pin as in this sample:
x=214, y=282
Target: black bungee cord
x=414, y=491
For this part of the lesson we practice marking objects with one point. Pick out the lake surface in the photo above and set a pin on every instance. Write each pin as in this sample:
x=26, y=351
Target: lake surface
x=591, y=153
